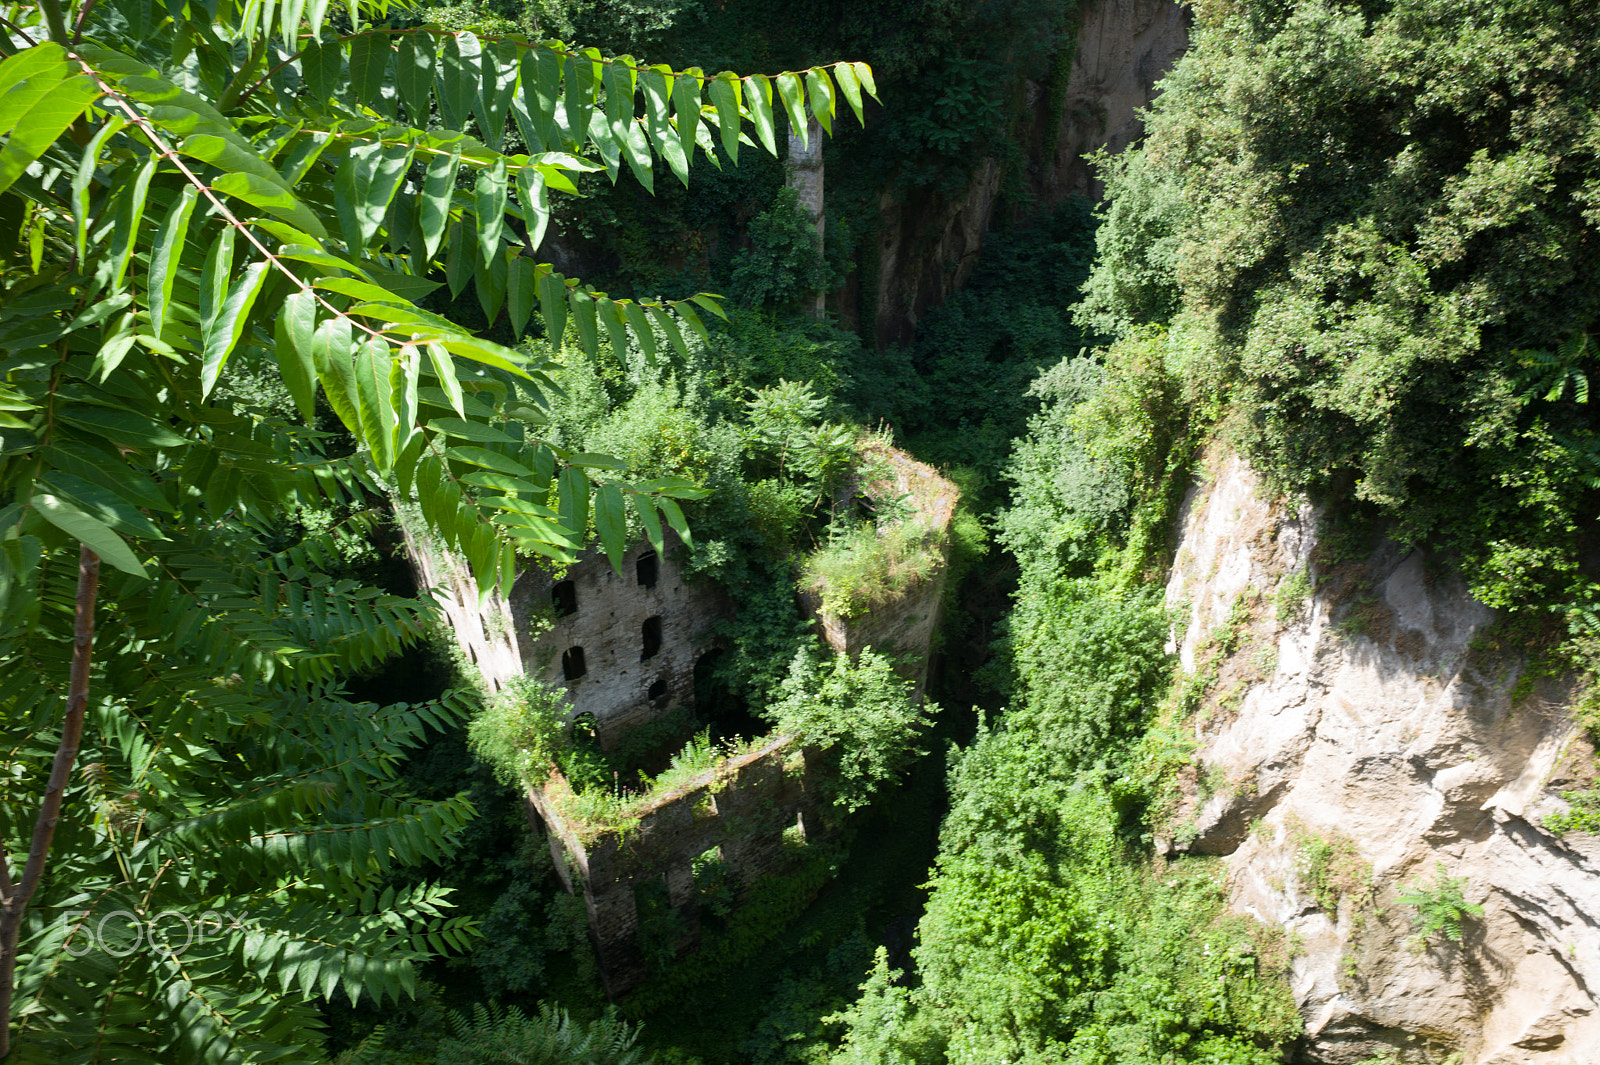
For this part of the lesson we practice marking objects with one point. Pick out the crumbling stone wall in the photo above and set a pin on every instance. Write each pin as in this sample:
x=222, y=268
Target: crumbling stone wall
x=623, y=682
x=751, y=810
x=905, y=627
x=484, y=629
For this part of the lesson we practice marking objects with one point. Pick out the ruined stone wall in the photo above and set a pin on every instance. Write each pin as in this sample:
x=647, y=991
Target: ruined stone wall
x=904, y=627
x=752, y=811
x=620, y=686
x=483, y=630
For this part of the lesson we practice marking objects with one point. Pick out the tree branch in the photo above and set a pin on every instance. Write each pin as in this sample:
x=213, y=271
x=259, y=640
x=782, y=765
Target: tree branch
x=44, y=828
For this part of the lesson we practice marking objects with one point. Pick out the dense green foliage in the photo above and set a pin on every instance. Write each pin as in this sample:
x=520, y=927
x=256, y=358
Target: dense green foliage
x=861, y=712
x=200, y=202
x=1372, y=229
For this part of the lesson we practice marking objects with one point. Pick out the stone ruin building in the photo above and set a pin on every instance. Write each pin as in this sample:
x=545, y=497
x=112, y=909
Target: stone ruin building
x=625, y=646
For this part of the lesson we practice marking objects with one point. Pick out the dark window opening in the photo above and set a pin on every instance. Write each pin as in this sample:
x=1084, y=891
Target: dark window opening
x=652, y=638
x=572, y=664
x=657, y=692
x=718, y=704
x=648, y=568
x=564, y=597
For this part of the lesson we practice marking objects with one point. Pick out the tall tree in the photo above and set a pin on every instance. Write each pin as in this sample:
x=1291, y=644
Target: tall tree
x=192, y=188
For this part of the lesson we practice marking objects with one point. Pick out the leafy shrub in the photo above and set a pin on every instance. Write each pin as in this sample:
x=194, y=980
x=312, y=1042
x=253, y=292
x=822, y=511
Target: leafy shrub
x=864, y=713
x=784, y=263
x=976, y=353
x=1403, y=318
x=521, y=731
x=866, y=566
x=1441, y=907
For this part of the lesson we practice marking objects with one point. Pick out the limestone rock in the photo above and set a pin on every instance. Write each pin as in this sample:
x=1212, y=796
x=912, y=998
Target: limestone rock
x=1350, y=743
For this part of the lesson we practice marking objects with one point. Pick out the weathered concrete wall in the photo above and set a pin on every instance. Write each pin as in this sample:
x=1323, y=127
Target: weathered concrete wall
x=741, y=809
x=1369, y=716
x=608, y=625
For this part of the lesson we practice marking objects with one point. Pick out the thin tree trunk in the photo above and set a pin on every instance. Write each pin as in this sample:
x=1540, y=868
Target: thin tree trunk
x=16, y=895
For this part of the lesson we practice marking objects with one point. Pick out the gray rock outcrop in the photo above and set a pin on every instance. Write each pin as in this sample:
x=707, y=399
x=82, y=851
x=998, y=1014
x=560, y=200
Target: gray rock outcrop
x=1352, y=740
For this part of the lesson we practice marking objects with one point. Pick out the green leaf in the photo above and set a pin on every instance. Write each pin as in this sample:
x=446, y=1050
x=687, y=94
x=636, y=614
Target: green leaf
x=234, y=156
x=331, y=350
x=27, y=77
x=457, y=78
x=850, y=86
x=166, y=253
x=489, y=200
x=553, y=305
x=491, y=283
x=584, y=320
x=591, y=460
x=444, y=368
x=496, y=87
x=295, y=331
x=646, y=508
x=460, y=256
x=674, y=515
x=820, y=90
x=489, y=460
x=88, y=163
x=369, y=62
x=668, y=326
x=375, y=401
x=363, y=187
x=657, y=82
x=793, y=95
x=687, y=313
x=39, y=121
x=123, y=428
x=223, y=331
x=541, y=90
x=615, y=320
x=620, y=82
x=269, y=196
x=611, y=520
x=414, y=76
x=708, y=301
x=725, y=97
x=507, y=483
x=535, y=204
x=521, y=282
x=759, y=99
x=572, y=491
x=582, y=77
x=94, y=534
x=437, y=189
x=864, y=76
x=460, y=427
x=641, y=331
x=214, y=280
x=686, y=108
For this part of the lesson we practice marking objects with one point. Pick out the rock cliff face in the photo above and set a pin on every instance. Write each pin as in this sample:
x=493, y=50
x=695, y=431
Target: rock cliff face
x=928, y=244
x=1352, y=739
